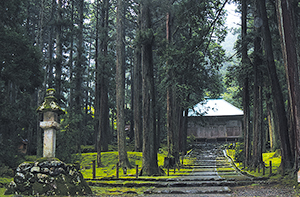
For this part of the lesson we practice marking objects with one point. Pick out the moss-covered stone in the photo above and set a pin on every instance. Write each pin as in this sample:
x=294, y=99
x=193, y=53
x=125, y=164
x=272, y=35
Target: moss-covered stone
x=50, y=104
x=48, y=177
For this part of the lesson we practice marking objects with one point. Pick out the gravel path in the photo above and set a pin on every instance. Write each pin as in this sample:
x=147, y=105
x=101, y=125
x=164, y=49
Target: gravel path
x=264, y=190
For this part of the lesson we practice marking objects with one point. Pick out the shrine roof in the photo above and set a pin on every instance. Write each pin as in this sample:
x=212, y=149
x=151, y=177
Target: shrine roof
x=215, y=107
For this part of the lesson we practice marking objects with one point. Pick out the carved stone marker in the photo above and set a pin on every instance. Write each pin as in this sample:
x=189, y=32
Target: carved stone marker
x=49, y=176
x=50, y=110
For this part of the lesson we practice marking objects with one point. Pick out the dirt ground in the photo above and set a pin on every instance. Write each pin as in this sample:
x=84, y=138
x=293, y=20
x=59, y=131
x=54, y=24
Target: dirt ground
x=265, y=190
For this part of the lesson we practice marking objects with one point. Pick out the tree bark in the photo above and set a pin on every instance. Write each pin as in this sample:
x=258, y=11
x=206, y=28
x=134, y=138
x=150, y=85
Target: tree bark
x=175, y=124
x=80, y=61
x=39, y=139
x=286, y=26
x=79, y=71
x=120, y=85
x=104, y=111
x=257, y=99
x=97, y=134
x=170, y=110
x=137, y=100
x=150, y=166
x=245, y=61
x=49, y=75
x=58, y=61
x=286, y=153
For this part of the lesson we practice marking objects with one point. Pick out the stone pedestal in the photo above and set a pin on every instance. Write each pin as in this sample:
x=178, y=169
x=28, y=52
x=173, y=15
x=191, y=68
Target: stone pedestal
x=49, y=142
x=50, y=125
x=47, y=178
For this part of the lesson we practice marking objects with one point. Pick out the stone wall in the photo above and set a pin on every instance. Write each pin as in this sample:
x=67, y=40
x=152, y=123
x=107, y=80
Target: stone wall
x=50, y=177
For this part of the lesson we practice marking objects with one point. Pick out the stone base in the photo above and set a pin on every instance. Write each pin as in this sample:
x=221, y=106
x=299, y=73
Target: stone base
x=50, y=177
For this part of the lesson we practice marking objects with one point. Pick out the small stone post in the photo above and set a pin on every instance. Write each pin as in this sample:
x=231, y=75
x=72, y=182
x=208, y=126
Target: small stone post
x=50, y=110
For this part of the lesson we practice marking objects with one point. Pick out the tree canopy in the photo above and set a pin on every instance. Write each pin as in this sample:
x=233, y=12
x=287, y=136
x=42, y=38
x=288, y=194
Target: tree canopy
x=167, y=59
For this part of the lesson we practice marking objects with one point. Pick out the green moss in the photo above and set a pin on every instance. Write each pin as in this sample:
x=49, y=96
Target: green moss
x=39, y=188
x=49, y=103
x=2, y=193
x=118, y=191
x=42, y=159
x=110, y=159
x=267, y=157
x=108, y=169
x=5, y=181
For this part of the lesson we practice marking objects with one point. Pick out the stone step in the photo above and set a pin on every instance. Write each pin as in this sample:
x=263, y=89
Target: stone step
x=189, y=195
x=207, y=166
x=190, y=190
x=179, y=183
x=212, y=165
x=208, y=183
x=197, y=178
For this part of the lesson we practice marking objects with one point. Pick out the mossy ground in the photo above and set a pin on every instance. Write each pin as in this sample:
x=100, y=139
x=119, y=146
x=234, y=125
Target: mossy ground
x=116, y=191
x=110, y=159
x=108, y=170
x=267, y=157
x=287, y=180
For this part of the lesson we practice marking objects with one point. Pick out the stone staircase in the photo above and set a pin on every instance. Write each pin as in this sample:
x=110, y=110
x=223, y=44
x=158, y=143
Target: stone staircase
x=211, y=175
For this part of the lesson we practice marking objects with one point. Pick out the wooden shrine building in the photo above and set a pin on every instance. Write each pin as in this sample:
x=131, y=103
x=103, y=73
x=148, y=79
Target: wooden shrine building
x=215, y=119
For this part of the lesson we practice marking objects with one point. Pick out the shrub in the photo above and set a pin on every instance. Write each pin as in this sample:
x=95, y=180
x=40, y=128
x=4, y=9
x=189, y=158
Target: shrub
x=88, y=148
x=239, y=152
x=5, y=171
x=190, y=141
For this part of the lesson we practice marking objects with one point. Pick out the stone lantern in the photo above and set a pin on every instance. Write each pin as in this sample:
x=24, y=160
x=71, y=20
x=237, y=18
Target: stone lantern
x=50, y=123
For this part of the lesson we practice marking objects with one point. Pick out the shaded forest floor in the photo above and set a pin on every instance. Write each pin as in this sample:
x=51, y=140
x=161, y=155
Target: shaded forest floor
x=128, y=185
x=275, y=183
x=106, y=173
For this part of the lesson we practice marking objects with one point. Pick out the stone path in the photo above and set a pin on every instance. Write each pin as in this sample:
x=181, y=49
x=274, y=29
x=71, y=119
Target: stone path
x=212, y=175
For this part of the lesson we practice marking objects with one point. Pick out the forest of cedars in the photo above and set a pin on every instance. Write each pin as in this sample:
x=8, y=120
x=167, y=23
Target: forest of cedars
x=144, y=63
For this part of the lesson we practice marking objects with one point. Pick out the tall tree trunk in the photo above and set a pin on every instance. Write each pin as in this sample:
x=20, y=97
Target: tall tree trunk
x=170, y=112
x=40, y=43
x=257, y=99
x=97, y=132
x=39, y=141
x=80, y=60
x=120, y=85
x=58, y=61
x=286, y=153
x=271, y=126
x=150, y=166
x=175, y=124
x=185, y=127
x=245, y=62
x=79, y=70
x=137, y=100
x=49, y=75
x=104, y=111
x=71, y=69
x=286, y=25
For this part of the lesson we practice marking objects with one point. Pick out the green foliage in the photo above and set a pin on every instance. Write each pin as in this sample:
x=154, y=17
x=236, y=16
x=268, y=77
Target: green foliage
x=239, y=151
x=87, y=148
x=194, y=56
x=190, y=141
x=20, y=75
x=236, y=151
x=5, y=171
x=9, y=155
x=73, y=134
x=145, y=37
